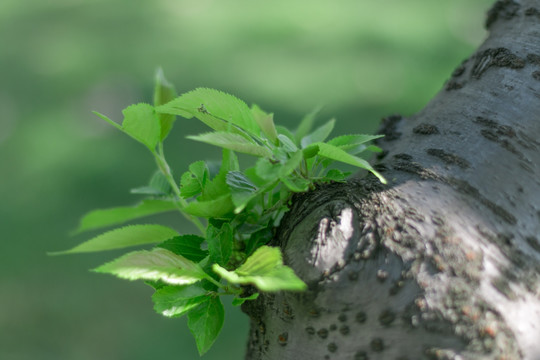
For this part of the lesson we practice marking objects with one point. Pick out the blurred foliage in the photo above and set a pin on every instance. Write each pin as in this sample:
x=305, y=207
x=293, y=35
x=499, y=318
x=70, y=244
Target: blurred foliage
x=60, y=59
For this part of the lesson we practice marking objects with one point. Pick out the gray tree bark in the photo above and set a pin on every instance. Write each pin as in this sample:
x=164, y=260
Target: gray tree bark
x=444, y=262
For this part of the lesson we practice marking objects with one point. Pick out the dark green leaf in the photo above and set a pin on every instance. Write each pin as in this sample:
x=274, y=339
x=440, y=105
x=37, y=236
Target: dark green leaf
x=220, y=243
x=189, y=246
x=205, y=323
x=175, y=301
x=242, y=189
x=106, y=217
x=123, y=237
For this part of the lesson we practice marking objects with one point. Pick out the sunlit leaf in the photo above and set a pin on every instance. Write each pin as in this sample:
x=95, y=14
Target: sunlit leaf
x=265, y=270
x=156, y=264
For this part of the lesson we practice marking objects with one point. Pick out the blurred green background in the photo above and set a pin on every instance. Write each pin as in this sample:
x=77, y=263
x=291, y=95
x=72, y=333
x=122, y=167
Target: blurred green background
x=60, y=59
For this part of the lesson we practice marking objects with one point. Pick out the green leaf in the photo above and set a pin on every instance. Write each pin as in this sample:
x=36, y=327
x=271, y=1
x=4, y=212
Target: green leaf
x=267, y=170
x=287, y=144
x=336, y=175
x=216, y=208
x=306, y=125
x=163, y=93
x=355, y=144
x=233, y=142
x=123, y=237
x=106, y=217
x=237, y=301
x=320, y=134
x=215, y=108
x=142, y=124
x=103, y=117
x=337, y=154
x=292, y=164
x=242, y=190
x=175, y=301
x=156, y=264
x=220, y=243
x=158, y=186
x=265, y=270
x=205, y=323
x=348, y=141
x=296, y=184
x=218, y=185
x=282, y=130
x=193, y=181
x=189, y=246
x=265, y=122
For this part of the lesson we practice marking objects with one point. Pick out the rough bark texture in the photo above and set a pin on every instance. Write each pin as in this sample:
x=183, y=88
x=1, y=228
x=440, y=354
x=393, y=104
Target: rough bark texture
x=444, y=262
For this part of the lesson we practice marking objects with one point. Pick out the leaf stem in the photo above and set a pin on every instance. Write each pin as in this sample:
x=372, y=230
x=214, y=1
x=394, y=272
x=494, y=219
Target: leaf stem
x=179, y=201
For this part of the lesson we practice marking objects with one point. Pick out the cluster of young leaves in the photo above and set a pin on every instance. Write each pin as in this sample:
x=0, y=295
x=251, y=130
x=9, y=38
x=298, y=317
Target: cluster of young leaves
x=234, y=209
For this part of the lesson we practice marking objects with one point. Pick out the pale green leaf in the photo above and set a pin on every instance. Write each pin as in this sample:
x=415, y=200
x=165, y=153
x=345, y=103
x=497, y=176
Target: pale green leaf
x=175, y=301
x=158, y=186
x=156, y=264
x=215, y=108
x=320, y=134
x=306, y=125
x=142, y=124
x=266, y=123
x=287, y=144
x=233, y=142
x=237, y=301
x=348, y=141
x=205, y=323
x=216, y=208
x=189, y=246
x=265, y=270
x=337, y=154
x=282, y=130
x=106, y=217
x=163, y=93
x=127, y=236
x=103, y=117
